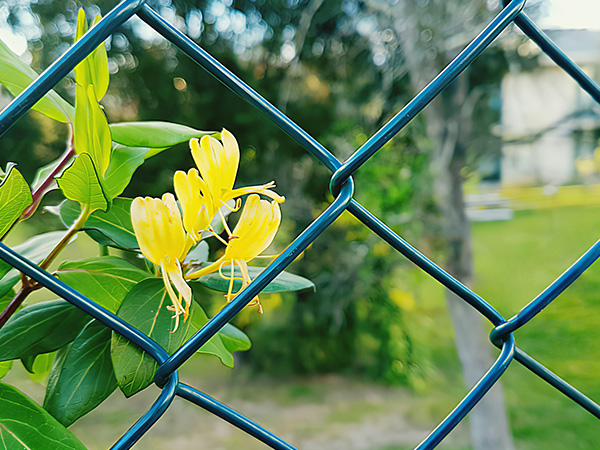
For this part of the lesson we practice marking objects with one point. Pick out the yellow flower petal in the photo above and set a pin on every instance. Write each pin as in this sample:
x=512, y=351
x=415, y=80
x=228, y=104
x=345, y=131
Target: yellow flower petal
x=182, y=287
x=231, y=159
x=195, y=201
x=255, y=230
x=158, y=227
x=218, y=166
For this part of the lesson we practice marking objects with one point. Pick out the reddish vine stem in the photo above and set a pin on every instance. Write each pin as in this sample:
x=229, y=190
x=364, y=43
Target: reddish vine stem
x=41, y=190
x=17, y=300
x=28, y=286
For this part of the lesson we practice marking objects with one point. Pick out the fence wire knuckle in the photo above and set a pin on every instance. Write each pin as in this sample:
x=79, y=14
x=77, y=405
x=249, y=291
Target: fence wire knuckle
x=342, y=188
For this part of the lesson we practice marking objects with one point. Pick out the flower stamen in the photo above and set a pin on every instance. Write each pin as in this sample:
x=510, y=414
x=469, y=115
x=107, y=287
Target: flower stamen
x=225, y=226
x=210, y=229
x=237, y=206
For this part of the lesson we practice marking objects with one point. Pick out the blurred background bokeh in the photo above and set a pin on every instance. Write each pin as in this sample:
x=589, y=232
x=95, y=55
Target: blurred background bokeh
x=498, y=181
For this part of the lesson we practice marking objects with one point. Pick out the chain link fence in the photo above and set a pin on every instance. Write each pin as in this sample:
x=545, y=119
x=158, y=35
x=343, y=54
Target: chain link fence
x=342, y=188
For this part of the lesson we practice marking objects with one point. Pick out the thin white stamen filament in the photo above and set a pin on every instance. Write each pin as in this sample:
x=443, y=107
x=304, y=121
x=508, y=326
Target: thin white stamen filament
x=176, y=306
x=231, y=281
x=225, y=223
x=210, y=229
x=236, y=208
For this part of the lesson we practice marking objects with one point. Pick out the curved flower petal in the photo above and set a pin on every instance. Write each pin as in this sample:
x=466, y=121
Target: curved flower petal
x=162, y=239
x=254, y=232
x=218, y=166
x=195, y=200
x=231, y=158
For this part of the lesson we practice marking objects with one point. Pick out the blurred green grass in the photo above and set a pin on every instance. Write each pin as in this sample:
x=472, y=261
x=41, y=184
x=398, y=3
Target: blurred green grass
x=514, y=260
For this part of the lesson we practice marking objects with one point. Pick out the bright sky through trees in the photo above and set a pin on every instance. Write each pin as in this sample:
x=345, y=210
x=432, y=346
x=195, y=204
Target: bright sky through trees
x=557, y=14
x=572, y=14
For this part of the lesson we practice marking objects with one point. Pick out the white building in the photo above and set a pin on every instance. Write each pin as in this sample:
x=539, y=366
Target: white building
x=549, y=124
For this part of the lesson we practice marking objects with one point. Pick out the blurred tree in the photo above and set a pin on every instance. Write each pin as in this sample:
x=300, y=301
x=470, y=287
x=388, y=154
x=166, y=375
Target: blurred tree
x=431, y=33
x=317, y=62
x=339, y=69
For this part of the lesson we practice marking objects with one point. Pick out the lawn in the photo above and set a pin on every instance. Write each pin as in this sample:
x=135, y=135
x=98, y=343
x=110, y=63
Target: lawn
x=514, y=261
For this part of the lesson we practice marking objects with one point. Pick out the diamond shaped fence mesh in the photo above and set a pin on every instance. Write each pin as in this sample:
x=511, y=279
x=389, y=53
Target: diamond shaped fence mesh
x=342, y=187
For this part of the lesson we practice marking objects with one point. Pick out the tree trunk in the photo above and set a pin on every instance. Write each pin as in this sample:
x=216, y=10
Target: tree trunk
x=488, y=421
x=449, y=129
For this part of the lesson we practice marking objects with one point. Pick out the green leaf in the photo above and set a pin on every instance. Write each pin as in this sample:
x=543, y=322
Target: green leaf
x=105, y=280
x=15, y=76
x=24, y=425
x=5, y=367
x=234, y=339
x=214, y=346
x=112, y=227
x=80, y=183
x=15, y=197
x=35, y=250
x=124, y=161
x=28, y=361
x=38, y=366
x=91, y=132
x=93, y=70
x=45, y=171
x=153, y=134
x=59, y=361
x=6, y=298
x=145, y=307
x=83, y=378
x=282, y=283
x=40, y=328
x=100, y=74
x=41, y=176
x=199, y=254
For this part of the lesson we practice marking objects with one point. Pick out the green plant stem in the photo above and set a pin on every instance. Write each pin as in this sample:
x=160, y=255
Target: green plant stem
x=67, y=237
x=28, y=287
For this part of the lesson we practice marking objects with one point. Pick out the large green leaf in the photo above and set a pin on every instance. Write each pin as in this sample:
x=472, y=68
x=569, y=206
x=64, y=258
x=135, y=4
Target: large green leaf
x=15, y=197
x=40, y=328
x=6, y=298
x=38, y=366
x=105, y=279
x=5, y=367
x=24, y=425
x=91, y=132
x=15, y=76
x=145, y=307
x=112, y=227
x=35, y=250
x=283, y=282
x=124, y=161
x=80, y=182
x=215, y=344
x=93, y=70
x=153, y=134
x=83, y=378
x=234, y=339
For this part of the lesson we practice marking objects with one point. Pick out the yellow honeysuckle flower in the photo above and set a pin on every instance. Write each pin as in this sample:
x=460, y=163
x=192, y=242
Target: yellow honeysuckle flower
x=218, y=165
x=162, y=239
x=195, y=201
x=254, y=232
